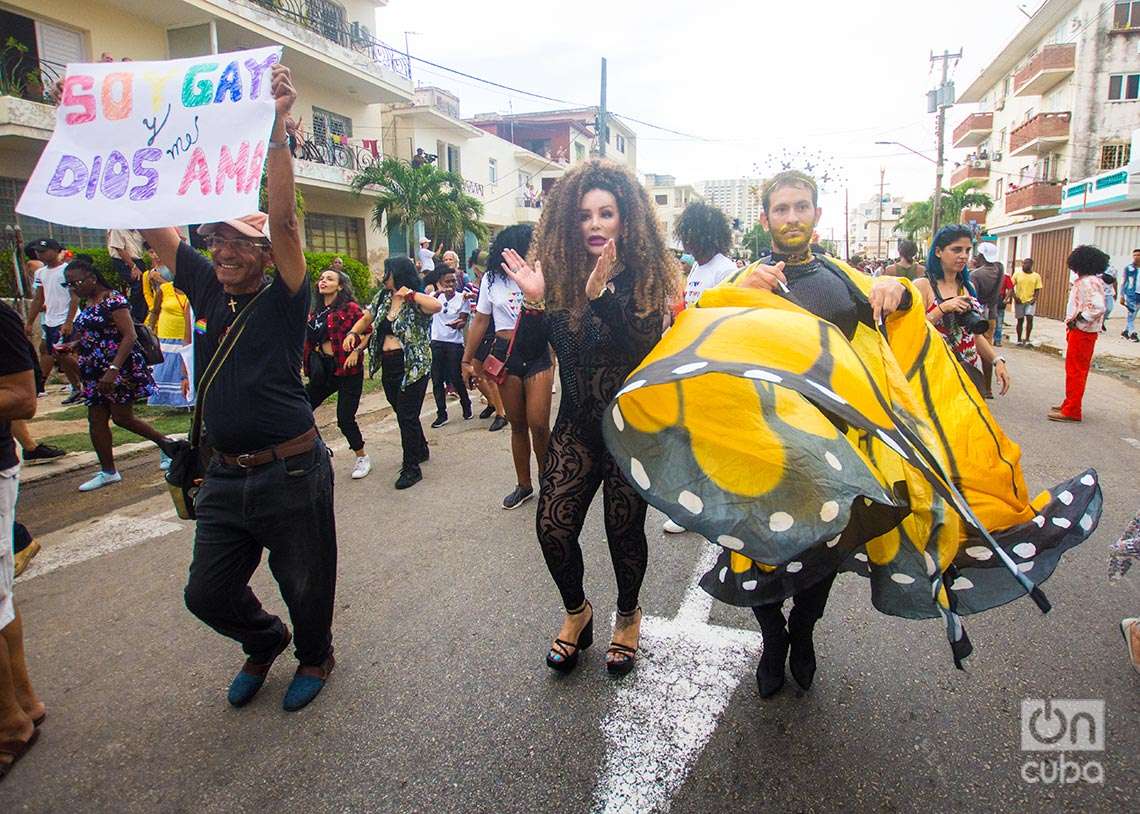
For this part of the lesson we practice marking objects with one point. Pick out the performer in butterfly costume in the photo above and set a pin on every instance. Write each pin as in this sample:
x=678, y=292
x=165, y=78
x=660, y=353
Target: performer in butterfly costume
x=804, y=446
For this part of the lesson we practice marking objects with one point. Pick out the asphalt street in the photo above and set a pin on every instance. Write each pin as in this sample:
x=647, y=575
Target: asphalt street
x=440, y=700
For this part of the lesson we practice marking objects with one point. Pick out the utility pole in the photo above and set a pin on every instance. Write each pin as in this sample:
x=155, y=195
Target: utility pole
x=603, y=126
x=879, y=240
x=943, y=98
x=847, y=222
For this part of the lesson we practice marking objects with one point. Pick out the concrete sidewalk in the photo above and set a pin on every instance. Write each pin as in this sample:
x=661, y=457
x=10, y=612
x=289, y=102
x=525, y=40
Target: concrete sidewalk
x=1113, y=352
x=371, y=405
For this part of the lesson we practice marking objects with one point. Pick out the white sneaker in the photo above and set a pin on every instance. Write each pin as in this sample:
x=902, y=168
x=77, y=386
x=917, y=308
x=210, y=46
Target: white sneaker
x=100, y=480
x=362, y=468
x=674, y=528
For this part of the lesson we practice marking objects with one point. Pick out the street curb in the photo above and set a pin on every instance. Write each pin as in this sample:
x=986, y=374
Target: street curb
x=73, y=462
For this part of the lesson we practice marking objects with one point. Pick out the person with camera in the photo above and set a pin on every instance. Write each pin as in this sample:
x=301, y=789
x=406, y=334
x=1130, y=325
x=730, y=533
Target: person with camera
x=952, y=305
x=269, y=483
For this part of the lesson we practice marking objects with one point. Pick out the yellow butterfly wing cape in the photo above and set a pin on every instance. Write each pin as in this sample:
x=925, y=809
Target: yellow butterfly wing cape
x=801, y=453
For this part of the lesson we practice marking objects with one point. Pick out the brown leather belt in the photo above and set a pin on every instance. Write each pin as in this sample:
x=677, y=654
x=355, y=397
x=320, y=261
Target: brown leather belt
x=294, y=446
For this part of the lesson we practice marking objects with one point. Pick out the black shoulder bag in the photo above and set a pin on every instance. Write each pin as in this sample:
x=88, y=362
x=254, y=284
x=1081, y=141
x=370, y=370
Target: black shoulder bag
x=187, y=459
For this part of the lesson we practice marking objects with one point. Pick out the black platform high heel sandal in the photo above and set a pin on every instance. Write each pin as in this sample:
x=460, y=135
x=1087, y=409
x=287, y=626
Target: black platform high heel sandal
x=563, y=655
x=622, y=659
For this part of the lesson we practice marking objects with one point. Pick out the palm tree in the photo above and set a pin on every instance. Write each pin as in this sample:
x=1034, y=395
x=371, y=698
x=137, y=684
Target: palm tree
x=407, y=195
x=964, y=196
x=916, y=221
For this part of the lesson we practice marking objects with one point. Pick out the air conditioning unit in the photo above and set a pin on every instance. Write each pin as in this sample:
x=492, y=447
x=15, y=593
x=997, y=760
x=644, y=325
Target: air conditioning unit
x=996, y=157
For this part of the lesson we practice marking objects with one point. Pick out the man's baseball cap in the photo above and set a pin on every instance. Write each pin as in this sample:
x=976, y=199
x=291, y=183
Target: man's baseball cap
x=255, y=226
x=46, y=243
x=988, y=251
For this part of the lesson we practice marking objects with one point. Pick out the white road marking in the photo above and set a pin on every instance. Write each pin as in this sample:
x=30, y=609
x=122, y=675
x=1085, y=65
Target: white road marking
x=86, y=541
x=666, y=710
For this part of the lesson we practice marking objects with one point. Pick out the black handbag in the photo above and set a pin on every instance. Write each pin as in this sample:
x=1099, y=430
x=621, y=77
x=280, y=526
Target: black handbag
x=148, y=344
x=188, y=458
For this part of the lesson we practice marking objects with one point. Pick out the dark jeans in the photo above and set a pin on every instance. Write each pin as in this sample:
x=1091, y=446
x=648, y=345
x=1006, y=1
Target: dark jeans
x=406, y=403
x=133, y=287
x=285, y=506
x=347, y=389
x=807, y=609
x=446, y=364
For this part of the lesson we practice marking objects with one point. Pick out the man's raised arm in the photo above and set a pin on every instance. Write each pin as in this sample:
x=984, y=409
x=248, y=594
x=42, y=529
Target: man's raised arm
x=284, y=230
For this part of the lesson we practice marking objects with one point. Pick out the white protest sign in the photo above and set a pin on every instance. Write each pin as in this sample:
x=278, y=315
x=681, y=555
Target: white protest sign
x=149, y=144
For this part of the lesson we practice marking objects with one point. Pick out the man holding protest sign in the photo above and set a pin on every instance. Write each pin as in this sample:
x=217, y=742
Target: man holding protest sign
x=269, y=483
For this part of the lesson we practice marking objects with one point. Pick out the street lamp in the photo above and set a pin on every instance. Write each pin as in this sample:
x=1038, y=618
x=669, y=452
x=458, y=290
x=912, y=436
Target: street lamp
x=936, y=204
x=911, y=149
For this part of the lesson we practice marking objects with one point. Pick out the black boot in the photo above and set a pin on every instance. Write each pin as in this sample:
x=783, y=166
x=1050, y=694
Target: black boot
x=770, y=670
x=802, y=658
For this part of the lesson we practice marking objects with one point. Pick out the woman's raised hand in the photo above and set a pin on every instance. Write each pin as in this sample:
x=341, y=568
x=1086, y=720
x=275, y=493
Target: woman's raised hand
x=603, y=270
x=529, y=280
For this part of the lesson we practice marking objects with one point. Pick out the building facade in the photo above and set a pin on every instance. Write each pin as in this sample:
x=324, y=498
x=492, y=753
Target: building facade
x=873, y=229
x=507, y=179
x=1054, y=117
x=565, y=137
x=669, y=200
x=343, y=74
x=739, y=198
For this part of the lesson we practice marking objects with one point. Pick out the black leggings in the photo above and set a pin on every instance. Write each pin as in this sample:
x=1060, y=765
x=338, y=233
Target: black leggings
x=347, y=389
x=406, y=403
x=446, y=359
x=807, y=609
x=576, y=464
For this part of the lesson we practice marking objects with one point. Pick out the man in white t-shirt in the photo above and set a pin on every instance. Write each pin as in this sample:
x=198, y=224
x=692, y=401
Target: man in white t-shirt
x=427, y=261
x=447, y=347
x=705, y=234
x=58, y=305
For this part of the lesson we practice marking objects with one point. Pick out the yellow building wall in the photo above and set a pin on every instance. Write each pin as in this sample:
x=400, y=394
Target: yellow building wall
x=107, y=28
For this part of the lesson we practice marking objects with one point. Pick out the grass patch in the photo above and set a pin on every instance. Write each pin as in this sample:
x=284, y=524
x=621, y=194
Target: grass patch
x=166, y=422
x=78, y=412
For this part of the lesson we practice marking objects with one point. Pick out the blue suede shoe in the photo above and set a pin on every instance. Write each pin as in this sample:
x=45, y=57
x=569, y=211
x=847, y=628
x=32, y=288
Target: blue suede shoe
x=307, y=684
x=252, y=675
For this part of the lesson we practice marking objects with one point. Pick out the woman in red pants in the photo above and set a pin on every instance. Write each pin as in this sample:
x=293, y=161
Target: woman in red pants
x=1083, y=318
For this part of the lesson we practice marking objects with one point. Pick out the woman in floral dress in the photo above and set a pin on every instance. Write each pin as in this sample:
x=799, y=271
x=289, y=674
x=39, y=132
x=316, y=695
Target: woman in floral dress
x=112, y=370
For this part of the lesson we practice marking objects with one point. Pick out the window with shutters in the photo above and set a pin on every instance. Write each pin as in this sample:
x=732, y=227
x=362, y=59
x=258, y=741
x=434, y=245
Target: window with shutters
x=335, y=234
x=1115, y=155
x=1126, y=15
x=1124, y=87
x=492, y=171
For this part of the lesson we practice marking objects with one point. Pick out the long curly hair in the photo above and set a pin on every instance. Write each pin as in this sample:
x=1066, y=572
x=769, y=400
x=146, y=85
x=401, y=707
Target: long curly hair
x=703, y=230
x=641, y=246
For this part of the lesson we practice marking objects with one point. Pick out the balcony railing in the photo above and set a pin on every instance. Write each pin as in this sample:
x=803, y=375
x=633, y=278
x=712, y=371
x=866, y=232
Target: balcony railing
x=327, y=19
x=1047, y=67
x=329, y=151
x=25, y=77
x=973, y=129
x=1037, y=195
x=972, y=169
x=1048, y=127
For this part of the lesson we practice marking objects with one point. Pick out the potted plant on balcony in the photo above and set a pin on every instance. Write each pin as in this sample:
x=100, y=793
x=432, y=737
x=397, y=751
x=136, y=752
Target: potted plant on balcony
x=16, y=79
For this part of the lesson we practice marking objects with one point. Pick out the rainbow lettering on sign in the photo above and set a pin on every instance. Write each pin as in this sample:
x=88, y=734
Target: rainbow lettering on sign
x=123, y=95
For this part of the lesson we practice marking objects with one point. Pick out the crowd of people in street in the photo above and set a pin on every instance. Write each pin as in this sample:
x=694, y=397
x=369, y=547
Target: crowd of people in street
x=586, y=296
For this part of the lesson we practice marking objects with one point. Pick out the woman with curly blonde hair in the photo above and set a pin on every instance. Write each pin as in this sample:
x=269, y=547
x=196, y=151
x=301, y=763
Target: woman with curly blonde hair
x=605, y=279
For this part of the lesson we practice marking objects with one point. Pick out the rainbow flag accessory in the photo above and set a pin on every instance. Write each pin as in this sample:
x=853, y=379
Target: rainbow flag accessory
x=200, y=327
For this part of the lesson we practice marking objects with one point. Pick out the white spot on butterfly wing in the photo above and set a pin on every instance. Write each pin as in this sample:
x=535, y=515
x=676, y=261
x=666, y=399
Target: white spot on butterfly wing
x=1088, y=479
x=1066, y=497
x=763, y=375
x=1040, y=521
x=629, y=388
x=723, y=573
x=780, y=521
x=861, y=557
x=979, y=552
x=1086, y=522
x=1024, y=566
x=961, y=584
x=748, y=585
x=640, y=476
x=1025, y=550
x=691, y=502
x=728, y=541
x=833, y=462
x=1062, y=522
x=902, y=579
x=829, y=511
x=827, y=391
x=794, y=567
x=689, y=368
x=619, y=420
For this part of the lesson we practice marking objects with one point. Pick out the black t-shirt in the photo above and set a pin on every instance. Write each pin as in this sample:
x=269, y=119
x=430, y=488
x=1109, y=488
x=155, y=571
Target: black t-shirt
x=257, y=399
x=16, y=356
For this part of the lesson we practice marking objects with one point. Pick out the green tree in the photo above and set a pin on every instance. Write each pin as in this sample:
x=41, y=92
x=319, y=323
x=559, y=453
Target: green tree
x=964, y=196
x=915, y=222
x=757, y=240
x=407, y=195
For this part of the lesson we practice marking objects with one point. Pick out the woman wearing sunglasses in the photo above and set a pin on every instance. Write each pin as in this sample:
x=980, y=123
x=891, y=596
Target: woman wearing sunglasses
x=112, y=371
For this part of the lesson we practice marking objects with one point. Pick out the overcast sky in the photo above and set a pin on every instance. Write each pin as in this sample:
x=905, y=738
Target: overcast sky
x=753, y=78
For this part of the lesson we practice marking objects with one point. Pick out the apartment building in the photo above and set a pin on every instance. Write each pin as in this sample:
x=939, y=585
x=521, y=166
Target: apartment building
x=873, y=229
x=739, y=198
x=563, y=136
x=343, y=74
x=669, y=200
x=1051, y=138
x=508, y=179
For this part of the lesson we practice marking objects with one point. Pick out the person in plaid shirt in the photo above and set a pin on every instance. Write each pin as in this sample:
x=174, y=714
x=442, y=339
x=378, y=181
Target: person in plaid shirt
x=329, y=367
